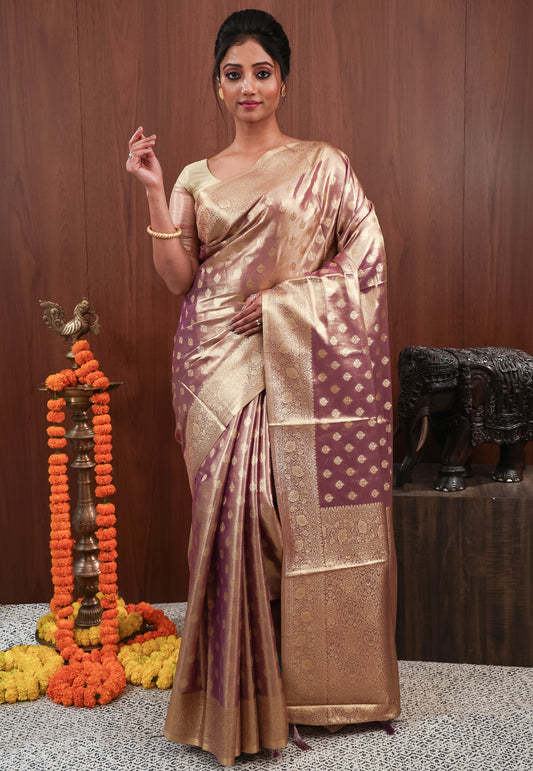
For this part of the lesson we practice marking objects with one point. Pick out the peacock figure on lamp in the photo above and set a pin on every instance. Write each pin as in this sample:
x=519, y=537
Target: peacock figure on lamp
x=83, y=320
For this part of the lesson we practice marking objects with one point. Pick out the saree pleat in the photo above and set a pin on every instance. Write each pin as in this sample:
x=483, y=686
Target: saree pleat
x=228, y=691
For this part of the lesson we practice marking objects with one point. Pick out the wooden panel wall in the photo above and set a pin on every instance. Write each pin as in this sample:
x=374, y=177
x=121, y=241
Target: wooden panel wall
x=499, y=174
x=432, y=100
x=43, y=255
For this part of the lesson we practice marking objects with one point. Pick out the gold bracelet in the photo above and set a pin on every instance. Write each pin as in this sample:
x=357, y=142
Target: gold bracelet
x=155, y=234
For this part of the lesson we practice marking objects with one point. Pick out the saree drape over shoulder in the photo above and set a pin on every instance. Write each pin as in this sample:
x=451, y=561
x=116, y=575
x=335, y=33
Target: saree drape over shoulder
x=287, y=441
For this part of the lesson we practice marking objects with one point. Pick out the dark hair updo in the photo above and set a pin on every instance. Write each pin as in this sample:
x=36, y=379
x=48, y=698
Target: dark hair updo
x=259, y=25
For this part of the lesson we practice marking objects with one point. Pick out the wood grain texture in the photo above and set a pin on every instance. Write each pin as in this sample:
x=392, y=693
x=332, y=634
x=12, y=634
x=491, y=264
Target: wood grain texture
x=465, y=571
x=136, y=83
x=431, y=100
x=403, y=64
x=499, y=173
x=43, y=256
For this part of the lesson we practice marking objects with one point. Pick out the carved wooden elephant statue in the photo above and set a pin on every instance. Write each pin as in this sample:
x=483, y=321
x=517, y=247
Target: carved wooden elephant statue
x=466, y=396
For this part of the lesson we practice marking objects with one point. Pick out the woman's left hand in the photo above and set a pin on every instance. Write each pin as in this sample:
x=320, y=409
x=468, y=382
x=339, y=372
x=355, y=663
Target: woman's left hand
x=249, y=320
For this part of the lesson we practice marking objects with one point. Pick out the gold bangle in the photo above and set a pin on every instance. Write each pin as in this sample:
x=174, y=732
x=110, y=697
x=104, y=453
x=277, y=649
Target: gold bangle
x=155, y=234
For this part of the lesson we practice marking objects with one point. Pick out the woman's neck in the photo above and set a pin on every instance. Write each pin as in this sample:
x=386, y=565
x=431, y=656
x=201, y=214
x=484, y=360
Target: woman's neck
x=253, y=138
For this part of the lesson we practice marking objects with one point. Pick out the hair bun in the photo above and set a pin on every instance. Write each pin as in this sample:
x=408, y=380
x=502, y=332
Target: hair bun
x=261, y=26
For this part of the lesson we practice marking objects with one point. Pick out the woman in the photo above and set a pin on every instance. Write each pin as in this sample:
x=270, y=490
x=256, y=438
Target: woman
x=281, y=392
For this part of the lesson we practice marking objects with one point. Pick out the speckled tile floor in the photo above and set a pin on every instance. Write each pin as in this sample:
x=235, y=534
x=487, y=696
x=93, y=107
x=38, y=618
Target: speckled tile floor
x=455, y=716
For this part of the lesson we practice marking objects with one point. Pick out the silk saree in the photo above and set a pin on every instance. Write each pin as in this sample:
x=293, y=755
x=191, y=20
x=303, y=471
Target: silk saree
x=288, y=446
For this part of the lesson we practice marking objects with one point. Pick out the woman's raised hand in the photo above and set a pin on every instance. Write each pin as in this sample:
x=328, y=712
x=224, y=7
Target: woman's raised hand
x=142, y=161
x=248, y=321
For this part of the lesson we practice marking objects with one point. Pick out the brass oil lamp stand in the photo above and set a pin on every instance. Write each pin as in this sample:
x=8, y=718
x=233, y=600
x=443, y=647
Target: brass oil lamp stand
x=86, y=568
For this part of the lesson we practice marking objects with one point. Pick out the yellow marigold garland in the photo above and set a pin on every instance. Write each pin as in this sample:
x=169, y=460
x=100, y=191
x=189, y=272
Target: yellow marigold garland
x=152, y=662
x=25, y=671
x=129, y=622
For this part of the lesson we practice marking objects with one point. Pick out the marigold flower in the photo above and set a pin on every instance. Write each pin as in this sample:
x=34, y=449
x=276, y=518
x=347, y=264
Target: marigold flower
x=58, y=468
x=57, y=459
x=65, y=623
x=107, y=544
x=55, y=431
x=108, y=585
x=102, y=442
x=70, y=377
x=61, y=544
x=56, y=444
x=106, y=533
x=94, y=375
x=103, y=457
x=107, y=556
x=59, y=508
x=106, y=520
x=60, y=488
x=55, y=382
x=55, y=416
x=104, y=491
x=58, y=479
x=103, y=448
x=101, y=382
x=105, y=508
x=80, y=345
x=60, y=523
x=99, y=430
x=65, y=612
x=62, y=561
x=56, y=404
x=99, y=420
x=101, y=398
x=62, y=570
x=59, y=497
x=83, y=356
x=110, y=613
x=108, y=601
x=89, y=366
x=100, y=409
x=60, y=581
x=103, y=479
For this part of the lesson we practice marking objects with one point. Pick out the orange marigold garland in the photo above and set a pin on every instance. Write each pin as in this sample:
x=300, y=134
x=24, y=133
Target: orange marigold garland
x=163, y=626
x=96, y=677
x=61, y=541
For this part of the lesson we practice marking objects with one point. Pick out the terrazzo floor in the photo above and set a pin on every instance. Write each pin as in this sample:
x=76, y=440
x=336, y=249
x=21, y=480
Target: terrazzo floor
x=455, y=716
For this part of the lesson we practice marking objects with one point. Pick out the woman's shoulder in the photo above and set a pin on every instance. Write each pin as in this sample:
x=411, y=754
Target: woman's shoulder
x=194, y=176
x=317, y=151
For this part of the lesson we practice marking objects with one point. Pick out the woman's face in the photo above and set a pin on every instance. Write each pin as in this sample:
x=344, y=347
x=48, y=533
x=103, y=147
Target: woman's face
x=250, y=80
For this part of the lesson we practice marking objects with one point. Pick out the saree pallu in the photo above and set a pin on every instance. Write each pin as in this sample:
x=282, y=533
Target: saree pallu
x=312, y=393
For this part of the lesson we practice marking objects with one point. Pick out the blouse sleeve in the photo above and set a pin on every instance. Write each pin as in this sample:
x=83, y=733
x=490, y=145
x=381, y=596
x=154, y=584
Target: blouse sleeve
x=183, y=215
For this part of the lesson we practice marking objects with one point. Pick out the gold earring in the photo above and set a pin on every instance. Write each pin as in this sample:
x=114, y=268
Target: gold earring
x=221, y=93
x=283, y=90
